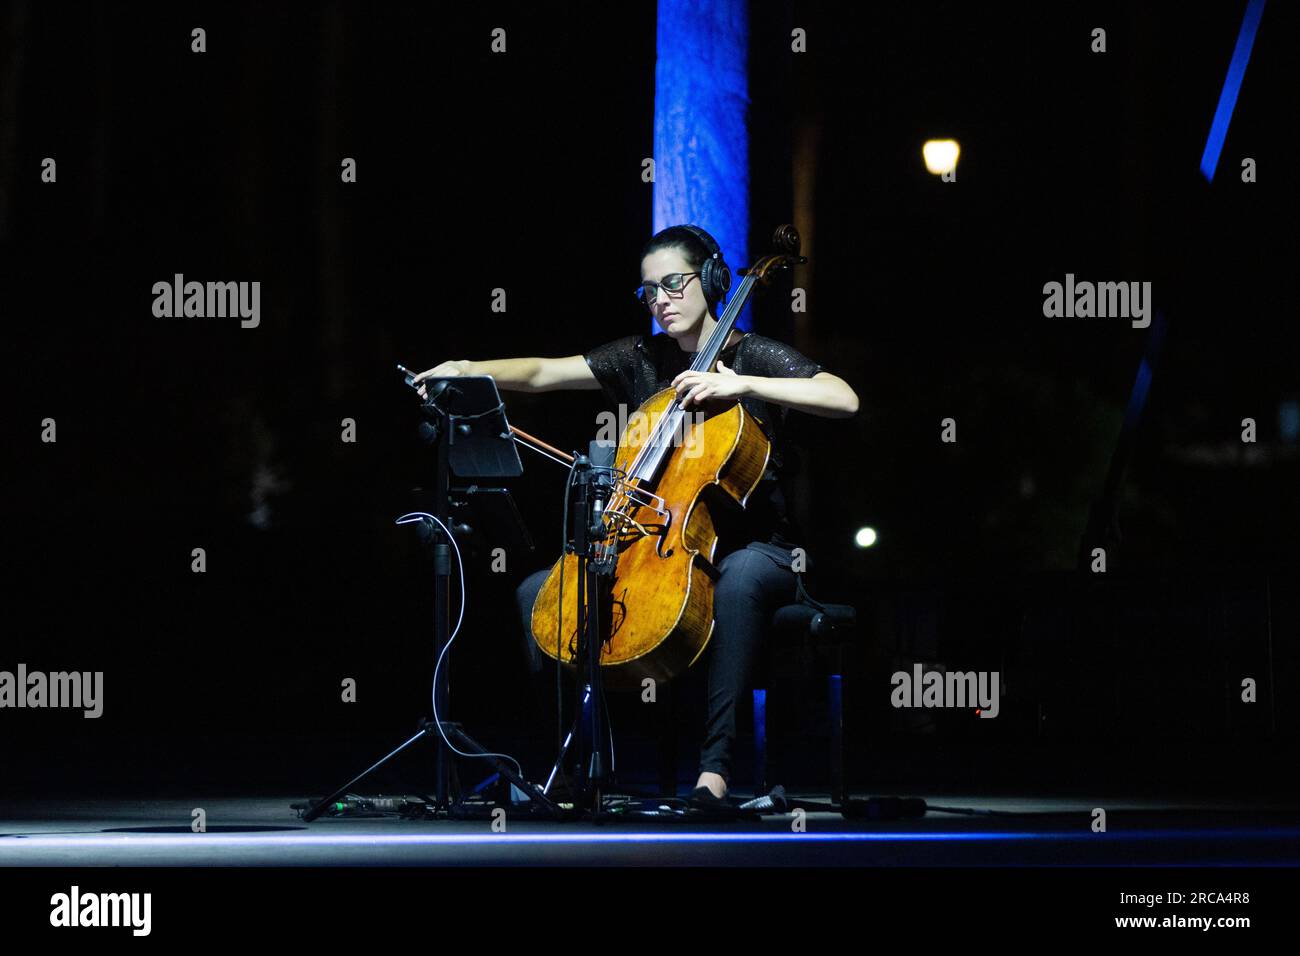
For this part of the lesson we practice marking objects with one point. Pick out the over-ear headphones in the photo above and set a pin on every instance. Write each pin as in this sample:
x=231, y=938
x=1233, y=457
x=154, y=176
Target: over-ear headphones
x=715, y=276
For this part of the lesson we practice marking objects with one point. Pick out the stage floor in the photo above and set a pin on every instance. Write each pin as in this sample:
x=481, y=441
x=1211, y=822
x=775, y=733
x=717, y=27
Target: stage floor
x=1002, y=831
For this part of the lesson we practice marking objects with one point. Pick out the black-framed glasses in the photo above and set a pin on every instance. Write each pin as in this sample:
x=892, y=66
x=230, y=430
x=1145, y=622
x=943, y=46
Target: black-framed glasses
x=673, y=284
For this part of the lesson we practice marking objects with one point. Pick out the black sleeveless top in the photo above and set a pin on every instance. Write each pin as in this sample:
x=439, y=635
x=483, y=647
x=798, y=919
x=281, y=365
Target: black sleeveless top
x=633, y=368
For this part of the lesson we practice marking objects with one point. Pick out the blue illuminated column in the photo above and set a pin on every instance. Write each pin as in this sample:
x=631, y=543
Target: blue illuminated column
x=701, y=147
x=1231, y=87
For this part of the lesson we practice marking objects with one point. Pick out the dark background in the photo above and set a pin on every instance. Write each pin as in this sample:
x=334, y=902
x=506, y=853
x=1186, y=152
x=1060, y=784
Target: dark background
x=522, y=171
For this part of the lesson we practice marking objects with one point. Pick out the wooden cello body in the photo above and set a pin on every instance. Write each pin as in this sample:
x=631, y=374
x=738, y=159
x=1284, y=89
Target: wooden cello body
x=656, y=609
x=675, y=476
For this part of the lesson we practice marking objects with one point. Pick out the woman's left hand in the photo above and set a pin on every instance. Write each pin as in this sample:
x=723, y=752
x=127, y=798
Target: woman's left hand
x=724, y=386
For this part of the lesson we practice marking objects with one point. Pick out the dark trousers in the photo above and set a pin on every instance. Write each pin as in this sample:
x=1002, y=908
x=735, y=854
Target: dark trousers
x=754, y=582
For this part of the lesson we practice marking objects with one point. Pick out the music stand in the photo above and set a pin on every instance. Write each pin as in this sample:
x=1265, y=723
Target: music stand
x=467, y=419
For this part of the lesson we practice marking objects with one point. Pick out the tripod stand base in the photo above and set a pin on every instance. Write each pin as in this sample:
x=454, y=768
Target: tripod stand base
x=463, y=742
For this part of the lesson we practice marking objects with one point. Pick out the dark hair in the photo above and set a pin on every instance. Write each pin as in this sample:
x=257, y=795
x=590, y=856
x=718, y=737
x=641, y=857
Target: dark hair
x=692, y=248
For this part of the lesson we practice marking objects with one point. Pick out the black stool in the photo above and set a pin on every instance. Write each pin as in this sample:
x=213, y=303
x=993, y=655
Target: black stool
x=811, y=625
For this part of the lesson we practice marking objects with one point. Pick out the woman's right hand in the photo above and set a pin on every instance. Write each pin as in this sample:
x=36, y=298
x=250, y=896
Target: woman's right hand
x=445, y=370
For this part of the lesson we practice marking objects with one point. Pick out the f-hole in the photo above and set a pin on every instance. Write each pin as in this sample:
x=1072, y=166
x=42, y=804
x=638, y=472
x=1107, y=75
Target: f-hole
x=659, y=547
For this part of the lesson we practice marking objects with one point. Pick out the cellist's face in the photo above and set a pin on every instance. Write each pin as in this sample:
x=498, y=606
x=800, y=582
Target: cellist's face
x=678, y=313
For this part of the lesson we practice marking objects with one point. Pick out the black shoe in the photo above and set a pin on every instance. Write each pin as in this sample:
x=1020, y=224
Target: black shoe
x=703, y=797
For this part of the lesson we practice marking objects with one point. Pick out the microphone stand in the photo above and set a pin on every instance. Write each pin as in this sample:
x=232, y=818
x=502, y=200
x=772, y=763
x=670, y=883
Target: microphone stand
x=591, y=758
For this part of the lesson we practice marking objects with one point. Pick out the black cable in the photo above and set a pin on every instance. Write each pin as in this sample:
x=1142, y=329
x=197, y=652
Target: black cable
x=604, y=701
x=609, y=724
x=559, y=622
x=976, y=811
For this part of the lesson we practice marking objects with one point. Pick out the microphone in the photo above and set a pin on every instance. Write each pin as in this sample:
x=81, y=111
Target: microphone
x=600, y=493
x=602, y=457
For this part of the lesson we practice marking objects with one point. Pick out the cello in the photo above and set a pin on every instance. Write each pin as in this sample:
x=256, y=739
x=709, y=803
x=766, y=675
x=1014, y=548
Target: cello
x=672, y=484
